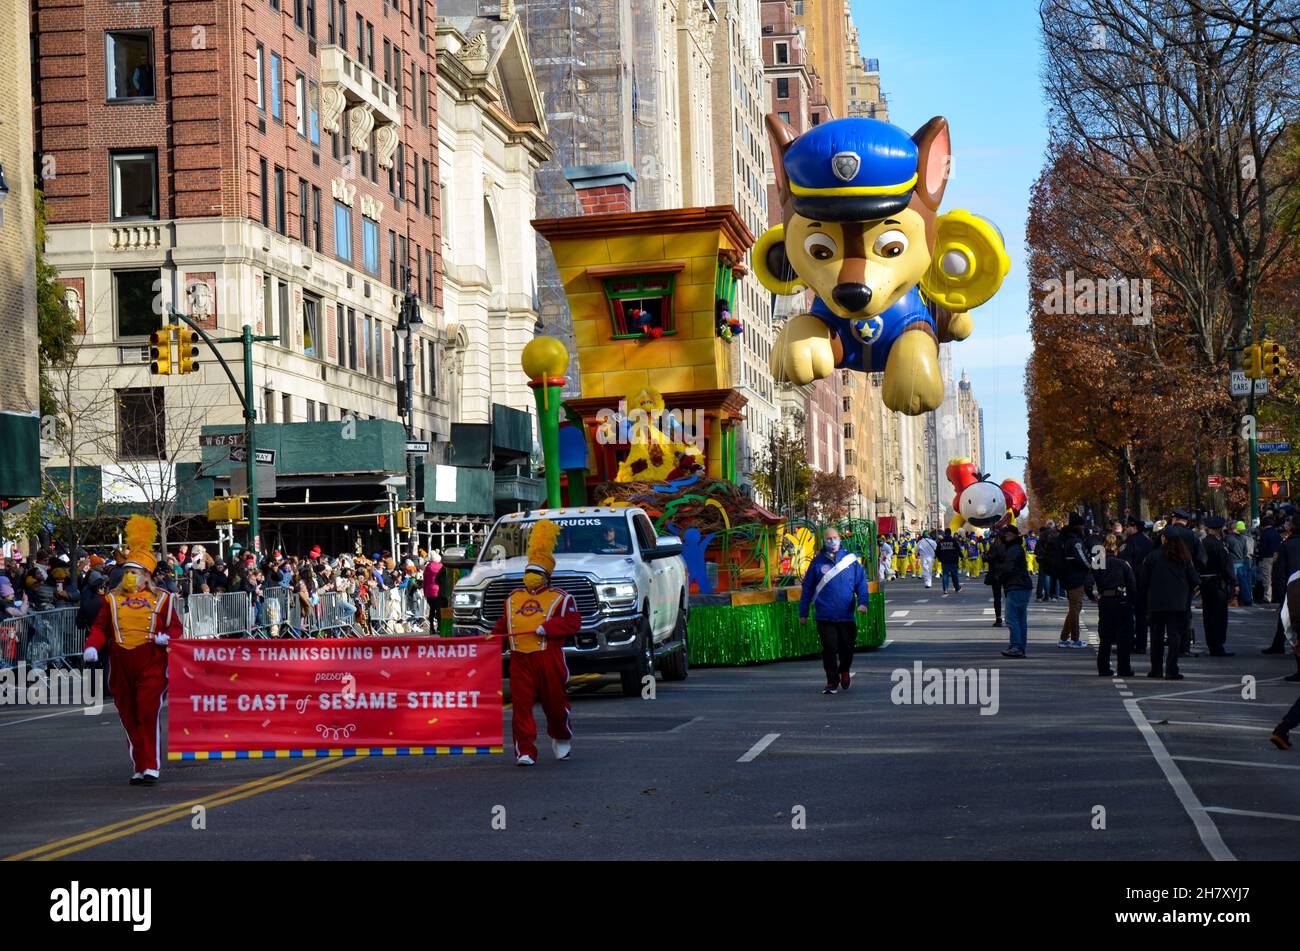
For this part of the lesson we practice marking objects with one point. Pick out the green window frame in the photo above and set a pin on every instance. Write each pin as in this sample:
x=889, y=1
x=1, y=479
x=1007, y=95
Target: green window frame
x=655, y=290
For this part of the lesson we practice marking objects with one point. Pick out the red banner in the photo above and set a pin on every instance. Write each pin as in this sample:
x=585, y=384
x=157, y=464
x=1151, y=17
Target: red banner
x=390, y=696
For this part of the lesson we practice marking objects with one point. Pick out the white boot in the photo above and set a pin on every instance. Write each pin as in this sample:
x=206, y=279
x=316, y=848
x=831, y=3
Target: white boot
x=561, y=748
x=525, y=760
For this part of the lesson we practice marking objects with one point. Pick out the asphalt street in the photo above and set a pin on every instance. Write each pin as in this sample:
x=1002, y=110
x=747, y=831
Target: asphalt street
x=744, y=763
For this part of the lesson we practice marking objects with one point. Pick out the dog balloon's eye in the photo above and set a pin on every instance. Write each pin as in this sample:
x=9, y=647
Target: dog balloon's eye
x=890, y=244
x=820, y=247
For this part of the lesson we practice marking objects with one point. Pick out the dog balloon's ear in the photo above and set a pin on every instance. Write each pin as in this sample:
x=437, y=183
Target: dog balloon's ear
x=780, y=134
x=934, y=161
x=772, y=265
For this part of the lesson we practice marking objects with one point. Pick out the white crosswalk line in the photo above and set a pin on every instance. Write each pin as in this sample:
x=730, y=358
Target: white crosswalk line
x=900, y=614
x=757, y=748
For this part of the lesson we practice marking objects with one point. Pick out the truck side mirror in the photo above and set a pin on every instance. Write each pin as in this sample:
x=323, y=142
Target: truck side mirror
x=665, y=547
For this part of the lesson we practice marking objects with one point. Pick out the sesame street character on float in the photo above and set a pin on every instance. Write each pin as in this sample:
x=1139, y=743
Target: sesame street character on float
x=654, y=454
x=538, y=619
x=861, y=228
x=135, y=623
x=981, y=504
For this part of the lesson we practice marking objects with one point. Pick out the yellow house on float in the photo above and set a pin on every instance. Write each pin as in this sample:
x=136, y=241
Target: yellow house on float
x=649, y=293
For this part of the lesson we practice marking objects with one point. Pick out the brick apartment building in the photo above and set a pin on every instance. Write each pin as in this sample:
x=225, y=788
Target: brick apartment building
x=271, y=162
x=794, y=94
x=19, y=402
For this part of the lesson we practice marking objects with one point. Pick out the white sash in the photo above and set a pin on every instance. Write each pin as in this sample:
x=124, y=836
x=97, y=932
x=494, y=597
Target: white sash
x=848, y=559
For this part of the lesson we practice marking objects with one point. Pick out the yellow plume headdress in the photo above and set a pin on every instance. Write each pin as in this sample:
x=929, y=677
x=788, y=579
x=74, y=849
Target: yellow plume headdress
x=141, y=532
x=541, y=546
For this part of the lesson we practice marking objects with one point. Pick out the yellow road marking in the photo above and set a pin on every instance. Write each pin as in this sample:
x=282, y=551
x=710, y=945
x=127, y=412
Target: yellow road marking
x=149, y=820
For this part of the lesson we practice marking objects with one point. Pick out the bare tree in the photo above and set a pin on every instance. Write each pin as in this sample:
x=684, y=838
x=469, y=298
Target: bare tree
x=154, y=427
x=1185, y=120
x=1272, y=19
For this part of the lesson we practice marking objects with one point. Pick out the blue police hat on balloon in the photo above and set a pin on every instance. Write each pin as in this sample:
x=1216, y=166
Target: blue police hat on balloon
x=851, y=170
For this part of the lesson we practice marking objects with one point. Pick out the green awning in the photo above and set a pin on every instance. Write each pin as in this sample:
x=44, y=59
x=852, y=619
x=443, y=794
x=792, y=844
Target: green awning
x=20, y=455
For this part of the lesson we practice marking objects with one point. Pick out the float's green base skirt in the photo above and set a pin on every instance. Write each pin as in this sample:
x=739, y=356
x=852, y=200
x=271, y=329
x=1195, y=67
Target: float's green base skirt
x=752, y=627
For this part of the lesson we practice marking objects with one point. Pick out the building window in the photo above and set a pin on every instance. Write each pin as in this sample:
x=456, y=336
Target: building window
x=281, y=215
x=392, y=259
x=379, y=348
x=298, y=20
x=266, y=194
x=424, y=91
x=361, y=39
x=300, y=102
x=370, y=245
x=268, y=405
x=276, y=109
x=142, y=423
x=399, y=78
x=343, y=24
x=342, y=232
x=640, y=305
x=286, y=401
x=816, y=118
x=313, y=108
x=783, y=52
x=428, y=277
x=315, y=217
x=784, y=116
x=286, y=325
x=400, y=168
x=133, y=182
x=352, y=339
x=128, y=57
x=370, y=46
x=428, y=194
x=311, y=326
x=311, y=19
x=134, y=294
x=783, y=88
x=304, y=212
x=261, y=78
x=311, y=411
x=388, y=62
x=366, y=342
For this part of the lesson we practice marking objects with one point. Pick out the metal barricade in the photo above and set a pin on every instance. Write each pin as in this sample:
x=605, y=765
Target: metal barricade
x=234, y=612
x=200, y=616
x=272, y=615
x=41, y=639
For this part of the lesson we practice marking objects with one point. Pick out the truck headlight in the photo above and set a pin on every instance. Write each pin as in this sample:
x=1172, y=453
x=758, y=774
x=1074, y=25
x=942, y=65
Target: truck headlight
x=619, y=593
x=467, y=599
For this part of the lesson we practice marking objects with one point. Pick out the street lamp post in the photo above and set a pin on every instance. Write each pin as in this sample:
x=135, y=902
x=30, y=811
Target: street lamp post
x=409, y=322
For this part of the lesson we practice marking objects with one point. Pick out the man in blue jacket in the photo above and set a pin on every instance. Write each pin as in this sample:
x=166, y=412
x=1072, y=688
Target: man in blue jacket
x=834, y=579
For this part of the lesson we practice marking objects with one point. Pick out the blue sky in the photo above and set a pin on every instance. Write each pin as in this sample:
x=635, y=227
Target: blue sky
x=977, y=64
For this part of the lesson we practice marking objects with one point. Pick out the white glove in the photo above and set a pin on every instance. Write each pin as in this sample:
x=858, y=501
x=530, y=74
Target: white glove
x=161, y=639
x=90, y=655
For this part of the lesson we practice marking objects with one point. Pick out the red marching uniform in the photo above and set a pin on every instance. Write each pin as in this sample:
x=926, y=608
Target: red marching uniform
x=538, y=623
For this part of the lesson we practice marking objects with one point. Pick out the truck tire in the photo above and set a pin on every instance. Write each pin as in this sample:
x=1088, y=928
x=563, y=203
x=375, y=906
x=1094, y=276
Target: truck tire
x=677, y=664
x=644, y=664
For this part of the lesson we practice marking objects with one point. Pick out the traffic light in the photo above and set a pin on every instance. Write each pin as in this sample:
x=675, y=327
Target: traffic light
x=1271, y=358
x=1253, y=361
x=404, y=520
x=160, y=350
x=226, y=508
x=186, y=350
x=1274, y=489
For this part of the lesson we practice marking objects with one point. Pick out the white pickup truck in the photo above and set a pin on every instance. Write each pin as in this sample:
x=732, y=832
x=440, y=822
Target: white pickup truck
x=630, y=584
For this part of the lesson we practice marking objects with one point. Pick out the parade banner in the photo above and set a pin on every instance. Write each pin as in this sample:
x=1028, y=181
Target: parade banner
x=399, y=696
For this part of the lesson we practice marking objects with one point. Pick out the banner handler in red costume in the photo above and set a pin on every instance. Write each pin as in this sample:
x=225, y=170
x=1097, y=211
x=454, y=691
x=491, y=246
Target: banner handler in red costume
x=136, y=622
x=538, y=619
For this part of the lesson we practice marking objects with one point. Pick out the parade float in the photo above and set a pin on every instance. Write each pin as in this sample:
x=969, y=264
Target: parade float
x=652, y=295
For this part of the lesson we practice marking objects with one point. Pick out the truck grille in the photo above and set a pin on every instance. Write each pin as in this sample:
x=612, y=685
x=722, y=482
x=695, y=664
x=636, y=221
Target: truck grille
x=583, y=591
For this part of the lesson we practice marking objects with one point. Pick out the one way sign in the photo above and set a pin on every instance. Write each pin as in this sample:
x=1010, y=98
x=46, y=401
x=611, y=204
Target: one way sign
x=262, y=457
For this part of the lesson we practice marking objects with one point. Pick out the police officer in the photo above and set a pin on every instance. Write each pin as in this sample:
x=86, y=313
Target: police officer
x=1137, y=545
x=1116, y=591
x=1218, y=582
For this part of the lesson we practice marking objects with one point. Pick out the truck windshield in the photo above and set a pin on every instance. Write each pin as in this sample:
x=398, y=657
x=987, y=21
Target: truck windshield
x=580, y=535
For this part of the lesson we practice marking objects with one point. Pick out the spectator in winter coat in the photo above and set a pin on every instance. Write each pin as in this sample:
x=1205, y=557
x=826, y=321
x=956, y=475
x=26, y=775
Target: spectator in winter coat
x=993, y=557
x=834, y=580
x=1270, y=541
x=1075, y=576
x=1116, y=591
x=1011, y=572
x=1137, y=545
x=435, y=577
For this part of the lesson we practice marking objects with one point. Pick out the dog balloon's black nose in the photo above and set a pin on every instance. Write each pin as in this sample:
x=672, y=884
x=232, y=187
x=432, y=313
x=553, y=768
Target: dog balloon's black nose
x=852, y=297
